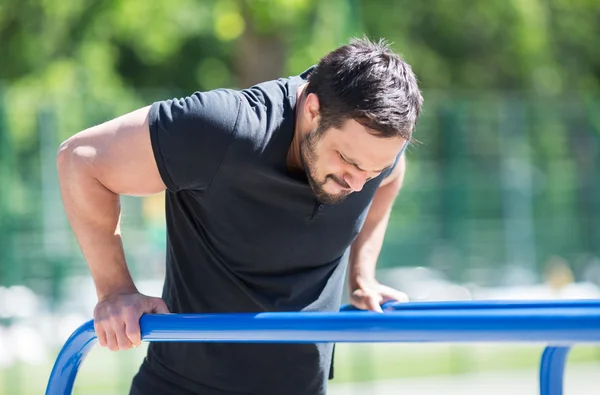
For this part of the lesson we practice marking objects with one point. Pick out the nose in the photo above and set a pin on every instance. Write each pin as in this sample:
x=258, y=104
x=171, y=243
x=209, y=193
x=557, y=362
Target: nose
x=356, y=180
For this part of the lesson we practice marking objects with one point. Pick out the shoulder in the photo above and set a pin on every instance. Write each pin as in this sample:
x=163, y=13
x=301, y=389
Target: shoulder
x=216, y=109
x=265, y=102
x=266, y=113
x=190, y=136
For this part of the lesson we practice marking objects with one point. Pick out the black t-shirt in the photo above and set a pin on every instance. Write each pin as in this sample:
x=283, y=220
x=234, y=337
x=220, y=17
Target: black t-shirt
x=244, y=235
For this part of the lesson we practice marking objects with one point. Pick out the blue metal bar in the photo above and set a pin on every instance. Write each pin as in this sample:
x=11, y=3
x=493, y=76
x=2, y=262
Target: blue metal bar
x=552, y=370
x=74, y=351
x=485, y=304
x=555, y=323
x=560, y=325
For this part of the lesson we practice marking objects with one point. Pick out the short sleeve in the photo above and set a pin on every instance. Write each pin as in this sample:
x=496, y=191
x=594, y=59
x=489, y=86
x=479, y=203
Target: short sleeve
x=390, y=170
x=190, y=136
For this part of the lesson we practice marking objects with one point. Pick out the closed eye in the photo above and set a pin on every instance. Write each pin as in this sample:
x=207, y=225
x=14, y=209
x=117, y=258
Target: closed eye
x=346, y=160
x=377, y=172
x=349, y=162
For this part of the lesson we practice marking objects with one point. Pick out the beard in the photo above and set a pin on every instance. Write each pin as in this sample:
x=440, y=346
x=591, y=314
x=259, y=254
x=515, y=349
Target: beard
x=309, y=157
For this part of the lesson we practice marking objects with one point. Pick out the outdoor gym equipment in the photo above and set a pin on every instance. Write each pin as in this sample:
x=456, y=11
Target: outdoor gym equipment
x=556, y=324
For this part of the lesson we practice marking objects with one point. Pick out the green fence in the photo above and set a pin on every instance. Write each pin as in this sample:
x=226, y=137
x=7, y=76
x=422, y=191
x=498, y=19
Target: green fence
x=498, y=184
x=500, y=181
x=496, y=180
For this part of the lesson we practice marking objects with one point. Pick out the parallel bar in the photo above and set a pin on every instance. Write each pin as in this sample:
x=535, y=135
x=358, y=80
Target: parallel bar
x=556, y=323
x=555, y=326
x=70, y=358
x=485, y=304
x=552, y=370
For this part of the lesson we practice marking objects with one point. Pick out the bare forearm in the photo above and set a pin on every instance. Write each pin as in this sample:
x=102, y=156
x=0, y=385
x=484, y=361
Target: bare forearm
x=94, y=212
x=367, y=246
x=365, y=250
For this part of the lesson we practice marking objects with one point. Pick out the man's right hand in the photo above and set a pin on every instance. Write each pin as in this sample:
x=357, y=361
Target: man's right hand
x=117, y=319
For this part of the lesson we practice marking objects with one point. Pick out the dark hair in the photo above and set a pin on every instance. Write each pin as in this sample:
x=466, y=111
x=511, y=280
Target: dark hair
x=369, y=83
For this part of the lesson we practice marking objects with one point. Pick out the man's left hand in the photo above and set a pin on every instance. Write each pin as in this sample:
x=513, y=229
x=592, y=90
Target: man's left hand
x=371, y=296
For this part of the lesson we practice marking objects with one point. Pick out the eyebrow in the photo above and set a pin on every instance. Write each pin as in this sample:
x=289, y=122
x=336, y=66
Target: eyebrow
x=353, y=163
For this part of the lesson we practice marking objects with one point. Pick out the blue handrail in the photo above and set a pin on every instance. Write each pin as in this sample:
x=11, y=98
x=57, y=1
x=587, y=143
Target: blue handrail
x=555, y=323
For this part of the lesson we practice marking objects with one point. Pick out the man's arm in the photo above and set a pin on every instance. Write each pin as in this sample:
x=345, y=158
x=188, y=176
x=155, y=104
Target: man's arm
x=365, y=291
x=95, y=166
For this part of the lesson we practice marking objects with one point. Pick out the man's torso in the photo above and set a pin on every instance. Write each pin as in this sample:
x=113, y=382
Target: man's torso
x=255, y=240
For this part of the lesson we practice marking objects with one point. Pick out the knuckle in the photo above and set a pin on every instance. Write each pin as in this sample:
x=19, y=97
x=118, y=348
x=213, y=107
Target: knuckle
x=116, y=322
x=131, y=317
x=132, y=309
x=132, y=334
x=113, y=314
x=99, y=315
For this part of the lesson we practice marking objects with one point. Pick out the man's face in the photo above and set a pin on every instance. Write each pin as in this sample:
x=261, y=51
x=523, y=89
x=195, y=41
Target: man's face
x=340, y=161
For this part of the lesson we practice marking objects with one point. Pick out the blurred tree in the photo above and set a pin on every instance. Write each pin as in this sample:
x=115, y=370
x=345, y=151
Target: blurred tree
x=6, y=167
x=90, y=60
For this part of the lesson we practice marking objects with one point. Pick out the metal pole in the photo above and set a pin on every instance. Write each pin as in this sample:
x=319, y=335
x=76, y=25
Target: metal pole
x=553, y=323
x=552, y=368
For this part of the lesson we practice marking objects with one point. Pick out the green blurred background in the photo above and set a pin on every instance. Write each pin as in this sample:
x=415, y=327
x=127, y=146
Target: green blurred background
x=501, y=198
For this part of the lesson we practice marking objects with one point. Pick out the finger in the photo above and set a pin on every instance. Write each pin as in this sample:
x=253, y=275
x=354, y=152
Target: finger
x=359, y=303
x=388, y=293
x=100, y=334
x=159, y=306
x=132, y=329
x=358, y=299
x=122, y=340
x=111, y=339
x=372, y=303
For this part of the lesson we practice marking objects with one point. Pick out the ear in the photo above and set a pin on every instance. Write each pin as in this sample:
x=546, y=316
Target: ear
x=312, y=109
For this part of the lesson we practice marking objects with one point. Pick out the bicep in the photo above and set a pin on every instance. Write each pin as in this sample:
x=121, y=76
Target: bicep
x=118, y=153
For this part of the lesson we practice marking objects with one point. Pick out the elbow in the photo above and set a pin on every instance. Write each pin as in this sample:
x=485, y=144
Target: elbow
x=63, y=153
x=62, y=156
x=73, y=151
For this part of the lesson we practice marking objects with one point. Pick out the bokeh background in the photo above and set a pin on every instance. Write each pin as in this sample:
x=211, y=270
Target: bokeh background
x=501, y=199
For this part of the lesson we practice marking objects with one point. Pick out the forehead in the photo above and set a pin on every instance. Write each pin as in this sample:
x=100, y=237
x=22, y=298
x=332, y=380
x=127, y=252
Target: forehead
x=354, y=140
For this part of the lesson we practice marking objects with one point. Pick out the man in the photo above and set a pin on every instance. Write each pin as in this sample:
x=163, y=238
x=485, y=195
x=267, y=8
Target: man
x=273, y=193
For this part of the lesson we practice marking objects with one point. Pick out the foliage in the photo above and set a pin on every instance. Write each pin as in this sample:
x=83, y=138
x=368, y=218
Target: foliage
x=487, y=68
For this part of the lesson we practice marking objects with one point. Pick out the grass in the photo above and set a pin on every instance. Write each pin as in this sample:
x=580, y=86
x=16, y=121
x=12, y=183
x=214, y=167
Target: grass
x=105, y=372
x=364, y=362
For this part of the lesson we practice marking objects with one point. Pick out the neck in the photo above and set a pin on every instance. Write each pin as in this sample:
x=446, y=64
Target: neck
x=294, y=161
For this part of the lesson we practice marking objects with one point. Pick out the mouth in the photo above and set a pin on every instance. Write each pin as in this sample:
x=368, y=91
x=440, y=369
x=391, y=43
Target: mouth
x=341, y=188
x=341, y=183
